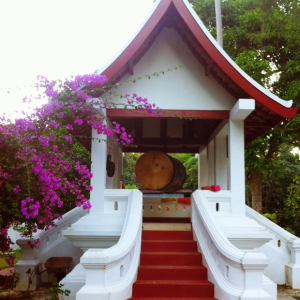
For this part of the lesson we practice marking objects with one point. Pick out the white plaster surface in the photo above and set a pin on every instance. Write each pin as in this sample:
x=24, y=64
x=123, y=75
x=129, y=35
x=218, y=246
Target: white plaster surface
x=236, y=145
x=203, y=168
x=282, y=250
x=187, y=88
x=236, y=274
x=242, y=109
x=214, y=42
x=52, y=244
x=211, y=154
x=14, y=235
x=221, y=161
x=110, y=273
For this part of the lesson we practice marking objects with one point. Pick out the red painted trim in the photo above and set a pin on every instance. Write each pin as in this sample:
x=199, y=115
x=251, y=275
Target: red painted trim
x=209, y=47
x=114, y=113
x=184, y=201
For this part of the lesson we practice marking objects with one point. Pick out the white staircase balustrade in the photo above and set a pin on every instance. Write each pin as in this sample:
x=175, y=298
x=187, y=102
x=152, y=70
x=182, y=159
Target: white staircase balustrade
x=14, y=236
x=52, y=244
x=219, y=202
x=110, y=273
x=248, y=235
x=283, y=251
x=236, y=274
x=100, y=229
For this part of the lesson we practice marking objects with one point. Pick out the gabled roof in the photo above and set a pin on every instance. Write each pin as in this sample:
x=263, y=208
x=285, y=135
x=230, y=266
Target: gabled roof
x=270, y=109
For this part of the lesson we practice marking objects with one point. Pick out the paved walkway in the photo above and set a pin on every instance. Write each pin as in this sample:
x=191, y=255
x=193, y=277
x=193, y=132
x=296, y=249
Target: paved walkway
x=286, y=293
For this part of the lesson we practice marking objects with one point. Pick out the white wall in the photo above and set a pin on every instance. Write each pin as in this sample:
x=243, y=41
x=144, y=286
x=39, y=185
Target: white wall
x=213, y=166
x=221, y=158
x=14, y=235
x=187, y=88
x=211, y=163
x=203, y=168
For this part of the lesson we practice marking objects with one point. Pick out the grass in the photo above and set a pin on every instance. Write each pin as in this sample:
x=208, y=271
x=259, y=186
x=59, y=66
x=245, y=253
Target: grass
x=3, y=263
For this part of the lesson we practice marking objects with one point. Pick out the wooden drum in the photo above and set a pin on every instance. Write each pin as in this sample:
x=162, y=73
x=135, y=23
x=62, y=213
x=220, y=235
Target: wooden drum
x=156, y=170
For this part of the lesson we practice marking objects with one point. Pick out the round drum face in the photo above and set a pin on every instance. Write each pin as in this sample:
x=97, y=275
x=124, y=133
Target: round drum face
x=154, y=170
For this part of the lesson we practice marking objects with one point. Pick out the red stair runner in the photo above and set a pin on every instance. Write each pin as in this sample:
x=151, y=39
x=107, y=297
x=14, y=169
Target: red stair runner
x=171, y=267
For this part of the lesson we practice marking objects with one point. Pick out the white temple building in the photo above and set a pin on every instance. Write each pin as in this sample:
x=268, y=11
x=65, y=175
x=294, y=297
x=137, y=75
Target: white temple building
x=246, y=255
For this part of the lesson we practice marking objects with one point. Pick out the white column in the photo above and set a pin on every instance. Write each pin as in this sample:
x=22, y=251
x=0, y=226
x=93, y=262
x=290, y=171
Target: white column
x=292, y=269
x=237, y=166
x=98, y=168
x=211, y=162
x=236, y=154
x=203, y=168
x=199, y=173
x=221, y=161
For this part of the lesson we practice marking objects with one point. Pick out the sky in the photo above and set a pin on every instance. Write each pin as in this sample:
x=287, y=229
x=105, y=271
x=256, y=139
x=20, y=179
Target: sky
x=59, y=38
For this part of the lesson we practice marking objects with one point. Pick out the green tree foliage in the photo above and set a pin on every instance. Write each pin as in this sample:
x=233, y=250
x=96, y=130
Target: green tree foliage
x=279, y=178
x=263, y=38
x=288, y=216
x=129, y=162
x=190, y=164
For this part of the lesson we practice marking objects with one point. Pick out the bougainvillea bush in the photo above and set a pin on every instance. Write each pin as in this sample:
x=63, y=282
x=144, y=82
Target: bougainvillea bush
x=43, y=170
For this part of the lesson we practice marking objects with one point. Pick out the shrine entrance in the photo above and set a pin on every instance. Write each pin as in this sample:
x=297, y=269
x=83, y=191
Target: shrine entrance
x=186, y=132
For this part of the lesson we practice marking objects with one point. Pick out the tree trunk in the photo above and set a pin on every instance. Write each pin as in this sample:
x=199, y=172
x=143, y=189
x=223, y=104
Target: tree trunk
x=255, y=184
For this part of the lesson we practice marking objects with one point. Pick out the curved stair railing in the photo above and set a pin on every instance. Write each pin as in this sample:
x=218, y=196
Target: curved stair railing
x=33, y=259
x=236, y=274
x=283, y=251
x=110, y=273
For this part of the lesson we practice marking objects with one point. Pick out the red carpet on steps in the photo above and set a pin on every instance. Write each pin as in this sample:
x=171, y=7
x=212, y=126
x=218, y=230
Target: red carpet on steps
x=171, y=267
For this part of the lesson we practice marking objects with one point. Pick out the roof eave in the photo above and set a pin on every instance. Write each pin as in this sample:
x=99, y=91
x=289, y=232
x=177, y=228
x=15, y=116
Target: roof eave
x=226, y=64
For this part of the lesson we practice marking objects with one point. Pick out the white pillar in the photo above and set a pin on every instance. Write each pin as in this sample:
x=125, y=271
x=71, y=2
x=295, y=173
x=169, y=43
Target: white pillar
x=221, y=161
x=236, y=154
x=98, y=168
x=237, y=166
x=203, y=168
x=292, y=269
x=211, y=162
x=199, y=173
